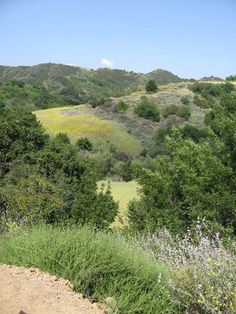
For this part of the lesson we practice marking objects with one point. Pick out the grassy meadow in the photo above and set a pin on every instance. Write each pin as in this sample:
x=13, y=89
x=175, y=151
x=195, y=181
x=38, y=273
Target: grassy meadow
x=79, y=121
x=122, y=192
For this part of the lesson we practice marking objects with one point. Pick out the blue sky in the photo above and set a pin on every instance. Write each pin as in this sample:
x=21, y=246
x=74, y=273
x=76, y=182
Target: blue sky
x=191, y=38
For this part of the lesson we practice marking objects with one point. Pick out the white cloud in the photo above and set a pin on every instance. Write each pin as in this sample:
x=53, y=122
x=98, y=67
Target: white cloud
x=106, y=63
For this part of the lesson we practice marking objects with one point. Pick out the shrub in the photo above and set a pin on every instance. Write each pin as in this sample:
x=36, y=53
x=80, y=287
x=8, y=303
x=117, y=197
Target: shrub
x=170, y=110
x=231, y=78
x=32, y=199
x=148, y=110
x=84, y=144
x=201, y=102
x=203, y=270
x=185, y=100
x=151, y=86
x=121, y=107
x=184, y=112
x=193, y=182
x=181, y=111
x=190, y=131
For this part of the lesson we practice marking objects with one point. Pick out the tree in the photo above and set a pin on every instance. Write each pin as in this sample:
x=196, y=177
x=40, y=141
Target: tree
x=20, y=133
x=231, y=78
x=121, y=107
x=148, y=110
x=31, y=199
x=46, y=179
x=84, y=144
x=151, y=86
x=193, y=183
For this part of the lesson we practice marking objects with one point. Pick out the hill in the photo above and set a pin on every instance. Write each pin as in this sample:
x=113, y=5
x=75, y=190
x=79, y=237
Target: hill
x=75, y=85
x=80, y=121
x=125, y=130
x=164, y=77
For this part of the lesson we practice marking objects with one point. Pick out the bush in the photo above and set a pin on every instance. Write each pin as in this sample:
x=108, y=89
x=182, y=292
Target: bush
x=193, y=182
x=231, y=78
x=202, y=102
x=181, y=111
x=185, y=100
x=99, y=265
x=121, y=107
x=184, y=112
x=197, y=135
x=170, y=110
x=151, y=86
x=203, y=270
x=84, y=144
x=32, y=199
x=148, y=110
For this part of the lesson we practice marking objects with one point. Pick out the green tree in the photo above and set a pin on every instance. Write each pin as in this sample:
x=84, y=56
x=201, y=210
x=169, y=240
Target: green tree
x=84, y=144
x=31, y=199
x=148, y=110
x=194, y=182
x=121, y=106
x=151, y=86
x=20, y=133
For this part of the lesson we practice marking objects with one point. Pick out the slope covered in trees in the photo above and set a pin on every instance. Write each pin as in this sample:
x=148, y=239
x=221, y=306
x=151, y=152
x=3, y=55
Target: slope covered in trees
x=74, y=85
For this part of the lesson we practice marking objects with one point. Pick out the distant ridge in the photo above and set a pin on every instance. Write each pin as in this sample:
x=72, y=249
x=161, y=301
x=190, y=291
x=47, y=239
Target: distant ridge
x=164, y=77
x=73, y=84
x=211, y=78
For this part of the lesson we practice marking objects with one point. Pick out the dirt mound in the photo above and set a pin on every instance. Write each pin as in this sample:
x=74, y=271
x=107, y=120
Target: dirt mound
x=30, y=291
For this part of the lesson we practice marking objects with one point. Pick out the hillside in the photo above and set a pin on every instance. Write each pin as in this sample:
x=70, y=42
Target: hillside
x=127, y=131
x=74, y=85
x=81, y=121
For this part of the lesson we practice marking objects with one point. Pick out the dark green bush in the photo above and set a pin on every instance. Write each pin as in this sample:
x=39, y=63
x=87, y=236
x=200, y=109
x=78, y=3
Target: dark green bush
x=197, y=135
x=84, y=144
x=184, y=112
x=185, y=100
x=121, y=106
x=202, y=102
x=151, y=86
x=231, y=78
x=148, y=110
x=181, y=111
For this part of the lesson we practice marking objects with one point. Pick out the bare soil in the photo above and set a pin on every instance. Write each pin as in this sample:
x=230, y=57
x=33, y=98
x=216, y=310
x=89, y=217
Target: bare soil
x=30, y=291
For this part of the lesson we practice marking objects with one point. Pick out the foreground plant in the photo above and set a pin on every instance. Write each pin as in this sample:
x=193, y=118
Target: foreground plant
x=203, y=270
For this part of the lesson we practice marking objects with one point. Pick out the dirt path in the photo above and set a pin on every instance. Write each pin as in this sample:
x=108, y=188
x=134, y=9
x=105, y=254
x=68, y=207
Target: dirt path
x=30, y=291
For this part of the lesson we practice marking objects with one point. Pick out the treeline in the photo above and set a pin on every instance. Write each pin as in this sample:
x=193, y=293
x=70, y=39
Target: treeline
x=14, y=93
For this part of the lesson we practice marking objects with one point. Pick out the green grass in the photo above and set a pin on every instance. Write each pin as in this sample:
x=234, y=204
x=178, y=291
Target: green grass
x=80, y=121
x=122, y=192
x=98, y=264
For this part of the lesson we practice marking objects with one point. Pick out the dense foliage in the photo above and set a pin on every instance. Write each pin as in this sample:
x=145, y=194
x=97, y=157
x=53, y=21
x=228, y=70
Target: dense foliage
x=151, y=86
x=181, y=111
x=196, y=180
x=231, y=78
x=187, y=196
x=46, y=179
x=15, y=93
x=148, y=110
x=46, y=83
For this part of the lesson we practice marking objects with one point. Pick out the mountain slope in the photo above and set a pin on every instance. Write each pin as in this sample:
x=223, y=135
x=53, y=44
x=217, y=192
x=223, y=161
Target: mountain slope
x=75, y=85
x=164, y=77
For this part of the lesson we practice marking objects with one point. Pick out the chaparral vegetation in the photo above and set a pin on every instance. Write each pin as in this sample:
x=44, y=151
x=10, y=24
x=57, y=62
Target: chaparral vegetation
x=130, y=195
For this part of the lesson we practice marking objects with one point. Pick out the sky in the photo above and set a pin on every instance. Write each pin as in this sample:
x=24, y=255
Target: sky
x=191, y=38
